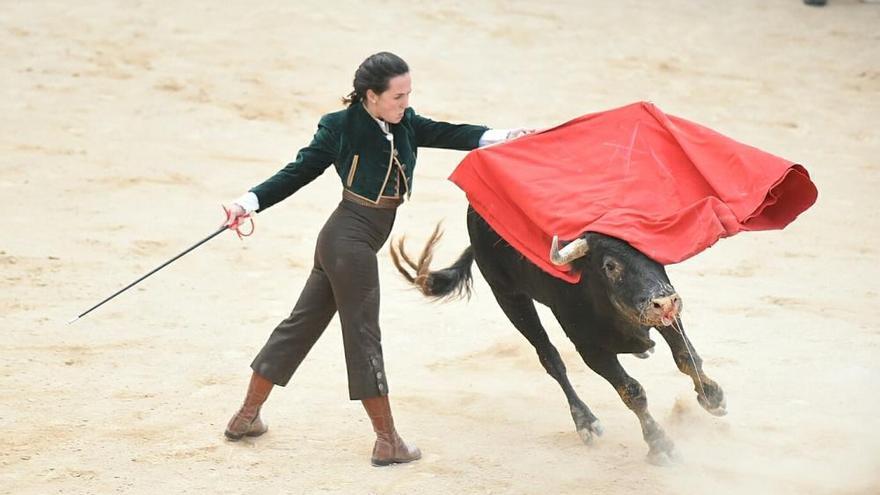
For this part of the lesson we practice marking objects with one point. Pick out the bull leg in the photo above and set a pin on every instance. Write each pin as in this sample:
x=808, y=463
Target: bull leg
x=661, y=448
x=520, y=310
x=709, y=393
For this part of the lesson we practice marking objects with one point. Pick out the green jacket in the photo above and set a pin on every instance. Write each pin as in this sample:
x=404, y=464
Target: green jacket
x=352, y=141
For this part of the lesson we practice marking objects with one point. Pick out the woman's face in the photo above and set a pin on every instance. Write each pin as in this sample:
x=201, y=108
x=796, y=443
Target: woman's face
x=391, y=103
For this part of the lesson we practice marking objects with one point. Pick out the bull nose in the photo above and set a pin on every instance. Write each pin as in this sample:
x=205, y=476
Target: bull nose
x=668, y=305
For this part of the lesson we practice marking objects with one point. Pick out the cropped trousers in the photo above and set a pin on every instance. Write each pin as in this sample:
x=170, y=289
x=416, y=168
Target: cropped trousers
x=344, y=279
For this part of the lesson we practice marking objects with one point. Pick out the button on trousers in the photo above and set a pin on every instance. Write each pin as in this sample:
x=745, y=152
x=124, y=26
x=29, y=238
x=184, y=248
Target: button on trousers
x=344, y=279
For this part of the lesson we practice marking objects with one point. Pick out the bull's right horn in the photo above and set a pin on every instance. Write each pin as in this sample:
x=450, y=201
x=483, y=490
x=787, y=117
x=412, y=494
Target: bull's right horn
x=569, y=253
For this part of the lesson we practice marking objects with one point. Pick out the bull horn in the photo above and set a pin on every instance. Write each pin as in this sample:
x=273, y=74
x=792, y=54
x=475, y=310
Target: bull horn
x=569, y=253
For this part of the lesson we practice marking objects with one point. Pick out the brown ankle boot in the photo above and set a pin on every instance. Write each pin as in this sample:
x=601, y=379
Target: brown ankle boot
x=389, y=448
x=247, y=422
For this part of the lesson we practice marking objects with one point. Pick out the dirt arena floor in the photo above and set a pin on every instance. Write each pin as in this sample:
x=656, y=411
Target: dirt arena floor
x=127, y=123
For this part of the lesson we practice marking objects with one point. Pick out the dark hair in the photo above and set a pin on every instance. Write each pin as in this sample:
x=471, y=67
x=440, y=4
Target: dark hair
x=374, y=73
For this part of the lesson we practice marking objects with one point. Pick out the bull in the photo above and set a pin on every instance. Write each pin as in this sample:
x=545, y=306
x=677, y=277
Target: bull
x=621, y=295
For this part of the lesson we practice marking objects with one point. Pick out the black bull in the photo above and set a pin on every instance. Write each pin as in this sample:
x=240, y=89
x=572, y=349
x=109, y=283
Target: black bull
x=622, y=294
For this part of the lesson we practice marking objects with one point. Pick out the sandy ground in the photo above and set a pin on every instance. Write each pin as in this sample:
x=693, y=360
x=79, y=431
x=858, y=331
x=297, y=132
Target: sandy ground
x=126, y=124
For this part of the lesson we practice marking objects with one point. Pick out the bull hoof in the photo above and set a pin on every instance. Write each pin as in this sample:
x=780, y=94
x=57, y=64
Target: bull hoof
x=713, y=400
x=587, y=433
x=663, y=458
x=662, y=451
x=644, y=355
x=719, y=409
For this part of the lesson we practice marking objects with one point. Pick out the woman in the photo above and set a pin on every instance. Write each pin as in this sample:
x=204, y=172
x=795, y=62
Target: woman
x=373, y=145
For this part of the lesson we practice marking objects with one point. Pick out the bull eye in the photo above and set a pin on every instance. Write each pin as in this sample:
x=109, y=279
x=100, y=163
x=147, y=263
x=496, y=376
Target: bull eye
x=611, y=268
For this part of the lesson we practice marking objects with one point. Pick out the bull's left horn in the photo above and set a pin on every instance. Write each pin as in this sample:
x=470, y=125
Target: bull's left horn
x=569, y=253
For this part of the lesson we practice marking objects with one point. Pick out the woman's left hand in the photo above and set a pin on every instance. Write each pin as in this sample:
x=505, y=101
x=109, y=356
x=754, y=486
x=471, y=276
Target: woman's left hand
x=515, y=133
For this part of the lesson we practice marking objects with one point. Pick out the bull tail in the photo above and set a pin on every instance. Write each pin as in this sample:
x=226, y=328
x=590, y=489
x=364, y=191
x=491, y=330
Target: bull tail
x=453, y=282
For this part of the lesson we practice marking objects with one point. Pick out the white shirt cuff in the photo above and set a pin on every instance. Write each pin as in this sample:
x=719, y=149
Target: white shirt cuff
x=249, y=202
x=493, y=136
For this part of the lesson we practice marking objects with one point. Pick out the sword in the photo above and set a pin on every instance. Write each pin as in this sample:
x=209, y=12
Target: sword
x=234, y=226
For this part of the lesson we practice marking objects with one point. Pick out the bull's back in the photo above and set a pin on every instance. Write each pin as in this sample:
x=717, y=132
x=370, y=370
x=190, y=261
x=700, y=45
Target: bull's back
x=508, y=271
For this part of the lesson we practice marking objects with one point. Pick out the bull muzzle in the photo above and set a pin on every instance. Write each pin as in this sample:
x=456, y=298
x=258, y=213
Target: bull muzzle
x=666, y=309
x=574, y=250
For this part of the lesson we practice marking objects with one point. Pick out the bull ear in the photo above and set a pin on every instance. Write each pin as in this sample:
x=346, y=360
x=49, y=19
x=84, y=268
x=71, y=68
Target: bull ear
x=569, y=253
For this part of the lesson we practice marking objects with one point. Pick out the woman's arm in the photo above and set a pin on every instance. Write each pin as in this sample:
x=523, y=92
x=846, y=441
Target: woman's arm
x=493, y=136
x=310, y=162
x=434, y=134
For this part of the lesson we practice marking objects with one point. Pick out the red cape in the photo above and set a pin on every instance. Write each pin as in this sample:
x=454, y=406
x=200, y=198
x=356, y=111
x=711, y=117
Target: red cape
x=669, y=187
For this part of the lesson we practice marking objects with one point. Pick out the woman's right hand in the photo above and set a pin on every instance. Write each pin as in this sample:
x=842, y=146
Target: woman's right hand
x=235, y=215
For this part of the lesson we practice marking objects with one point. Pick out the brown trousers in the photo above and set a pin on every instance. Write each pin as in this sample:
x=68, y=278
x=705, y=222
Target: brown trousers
x=345, y=278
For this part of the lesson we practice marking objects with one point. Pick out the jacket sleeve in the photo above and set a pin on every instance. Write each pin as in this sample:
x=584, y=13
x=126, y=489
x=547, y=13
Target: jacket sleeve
x=433, y=134
x=310, y=162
